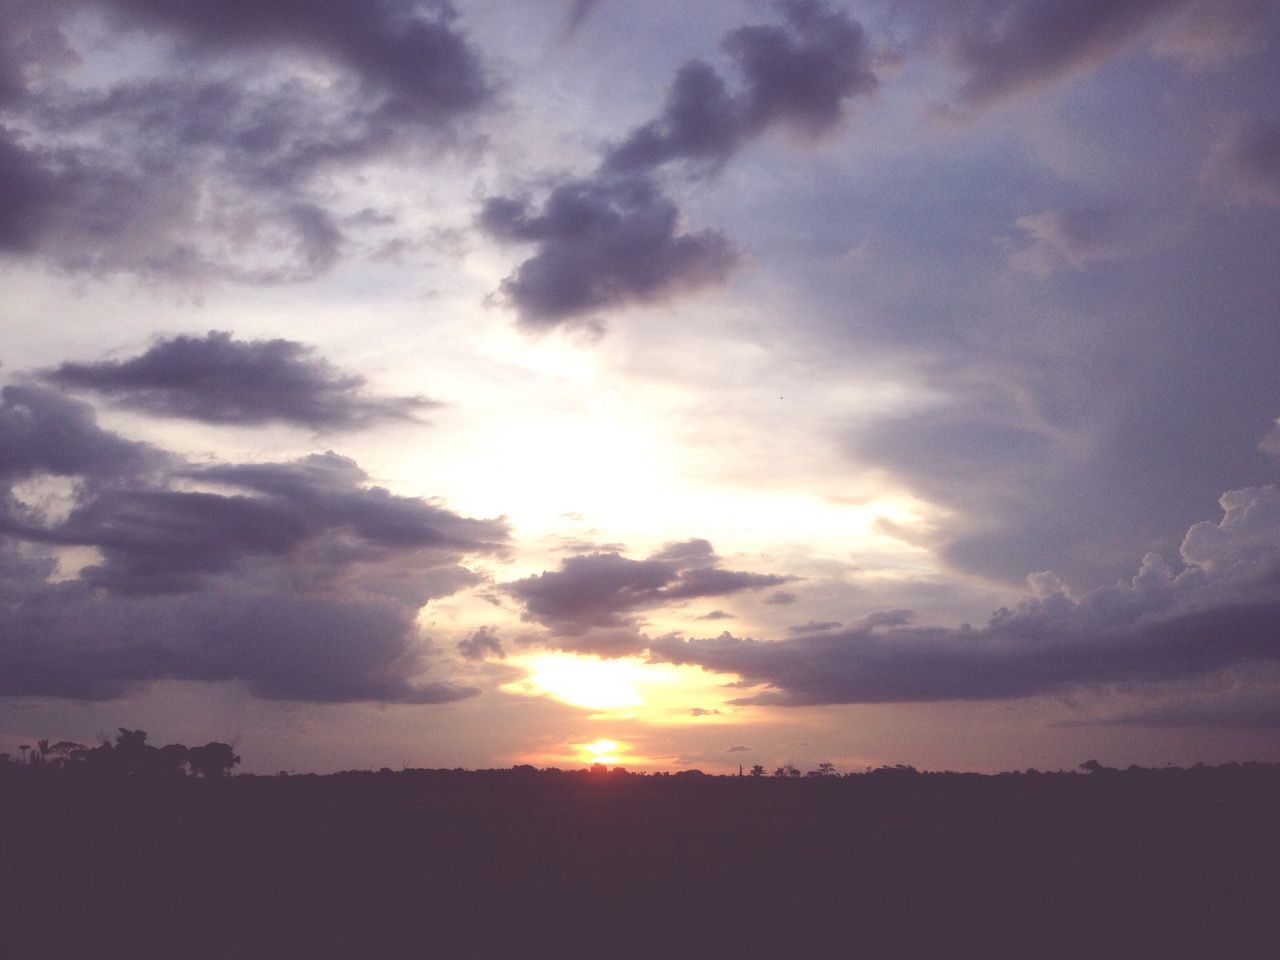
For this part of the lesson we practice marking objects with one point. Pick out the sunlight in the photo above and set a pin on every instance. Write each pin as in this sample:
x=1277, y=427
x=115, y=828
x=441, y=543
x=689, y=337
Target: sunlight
x=630, y=688
x=601, y=751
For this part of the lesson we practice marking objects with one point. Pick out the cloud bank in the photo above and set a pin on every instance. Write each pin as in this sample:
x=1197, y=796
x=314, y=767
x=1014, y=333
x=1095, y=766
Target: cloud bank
x=299, y=579
x=217, y=379
x=1219, y=610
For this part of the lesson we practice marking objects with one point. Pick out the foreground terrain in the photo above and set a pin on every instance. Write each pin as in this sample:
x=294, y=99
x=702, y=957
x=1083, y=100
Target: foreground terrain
x=1143, y=863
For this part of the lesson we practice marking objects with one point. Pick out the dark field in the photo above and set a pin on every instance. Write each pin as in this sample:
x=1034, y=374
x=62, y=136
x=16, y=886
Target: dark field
x=1152, y=863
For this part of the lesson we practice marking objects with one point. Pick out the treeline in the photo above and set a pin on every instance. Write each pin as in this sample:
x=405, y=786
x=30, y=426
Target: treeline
x=128, y=756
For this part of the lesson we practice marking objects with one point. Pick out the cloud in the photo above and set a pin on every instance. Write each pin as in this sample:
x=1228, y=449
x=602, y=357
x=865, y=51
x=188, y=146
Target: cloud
x=813, y=626
x=216, y=379
x=603, y=243
x=607, y=590
x=43, y=432
x=798, y=75
x=1007, y=47
x=738, y=749
x=1218, y=611
x=1206, y=34
x=210, y=164
x=613, y=239
x=299, y=579
x=716, y=615
x=407, y=52
x=1076, y=237
x=1246, y=161
x=481, y=645
x=577, y=16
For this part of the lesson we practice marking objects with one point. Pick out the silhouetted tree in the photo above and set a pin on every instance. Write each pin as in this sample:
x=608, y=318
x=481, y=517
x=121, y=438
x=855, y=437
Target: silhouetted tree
x=212, y=760
x=757, y=771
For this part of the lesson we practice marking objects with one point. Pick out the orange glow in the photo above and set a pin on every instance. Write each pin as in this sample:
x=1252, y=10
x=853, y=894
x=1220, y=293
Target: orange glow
x=601, y=751
x=630, y=688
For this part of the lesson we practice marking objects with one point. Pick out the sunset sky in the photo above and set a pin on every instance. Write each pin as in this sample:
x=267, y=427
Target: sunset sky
x=671, y=384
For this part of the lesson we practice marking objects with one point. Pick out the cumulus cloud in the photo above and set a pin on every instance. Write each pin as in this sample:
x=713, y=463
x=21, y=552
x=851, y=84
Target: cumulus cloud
x=217, y=379
x=207, y=167
x=1220, y=609
x=601, y=243
x=608, y=590
x=1006, y=47
x=406, y=51
x=299, y=579
x=1246, y=161
x=481, y=644
x=614, y=239
x=798, y=75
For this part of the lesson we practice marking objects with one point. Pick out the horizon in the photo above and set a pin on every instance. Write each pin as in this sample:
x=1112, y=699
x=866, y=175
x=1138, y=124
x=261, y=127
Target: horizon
x=470, y=385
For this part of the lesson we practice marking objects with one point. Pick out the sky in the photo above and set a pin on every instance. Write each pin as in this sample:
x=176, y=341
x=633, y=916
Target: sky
x=407, y=382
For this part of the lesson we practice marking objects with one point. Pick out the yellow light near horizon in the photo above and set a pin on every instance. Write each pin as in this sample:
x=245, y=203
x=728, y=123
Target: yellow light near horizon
x=630, y=688
x=602, y=751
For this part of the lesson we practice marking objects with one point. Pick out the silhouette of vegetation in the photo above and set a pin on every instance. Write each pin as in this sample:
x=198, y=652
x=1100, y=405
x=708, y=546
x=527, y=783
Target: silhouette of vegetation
x=130, y=850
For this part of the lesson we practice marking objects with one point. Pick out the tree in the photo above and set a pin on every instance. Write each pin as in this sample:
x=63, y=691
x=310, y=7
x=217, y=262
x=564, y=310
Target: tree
x=213, y=760
x=826, y=769
x=757, y=771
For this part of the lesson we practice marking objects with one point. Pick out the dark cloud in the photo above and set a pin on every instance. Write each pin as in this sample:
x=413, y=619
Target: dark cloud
x=780, y=598
x=481, y=645
x=738, y=749
x=798, y=75
x=580, y=11
x=1005, y=47
x=716, y=615
x=1247, y=161
x=602, y=243
x=299, y=579
x=43, y=432
x=206, y=167
x=614, y=239
x=813, y=626
x=1220, y=610
x=607, y=590
x=217, y=379
x=408, y=51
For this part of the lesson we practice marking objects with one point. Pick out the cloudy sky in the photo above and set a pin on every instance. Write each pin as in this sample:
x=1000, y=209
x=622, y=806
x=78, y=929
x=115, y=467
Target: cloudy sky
x=466, y=384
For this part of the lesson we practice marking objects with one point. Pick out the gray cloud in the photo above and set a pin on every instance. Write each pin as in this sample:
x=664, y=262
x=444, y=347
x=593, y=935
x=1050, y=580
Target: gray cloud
x=798, y=75
x=208, y=171
x=407, y=51
x=299, y=579
x=607, y=590
x=217, y=379
x=1246, y=162
x=602, y=243
x=1006, y=47
x=613, y=239
x=481, y=644
x=579, y=12
x=1219, y=610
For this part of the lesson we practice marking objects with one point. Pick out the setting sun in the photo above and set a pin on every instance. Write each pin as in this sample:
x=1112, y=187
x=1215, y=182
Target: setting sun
x=601, y=751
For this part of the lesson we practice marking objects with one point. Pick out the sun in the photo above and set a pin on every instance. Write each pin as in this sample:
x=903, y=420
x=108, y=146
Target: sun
x=601, y=751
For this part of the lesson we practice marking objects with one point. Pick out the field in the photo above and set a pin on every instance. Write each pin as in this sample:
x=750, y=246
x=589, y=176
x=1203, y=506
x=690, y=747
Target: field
x=1145, y=863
